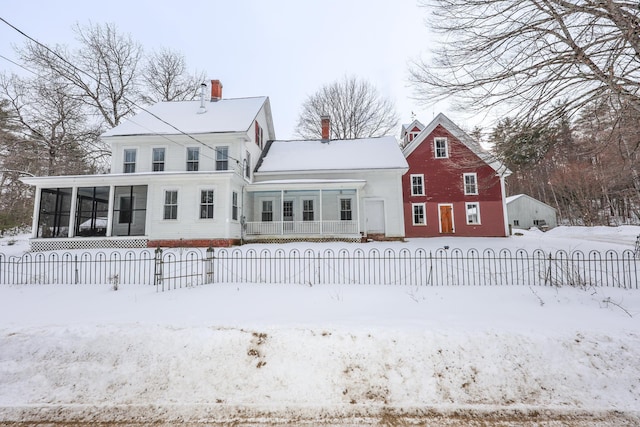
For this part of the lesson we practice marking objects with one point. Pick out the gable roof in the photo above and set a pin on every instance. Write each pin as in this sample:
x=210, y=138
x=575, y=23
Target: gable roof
x=414, y=124
x=523, y=196
x=340, y=154
x=225, y=115
x=462, y=136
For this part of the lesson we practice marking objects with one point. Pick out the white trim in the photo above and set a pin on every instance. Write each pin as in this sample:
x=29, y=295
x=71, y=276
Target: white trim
x=466, y=208
x=424, y=213
x=199, y=201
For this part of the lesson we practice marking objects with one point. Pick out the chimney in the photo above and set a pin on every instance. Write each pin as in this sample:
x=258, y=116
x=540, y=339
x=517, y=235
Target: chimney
x=202, y=108
x=325, y=122
x=216, y=90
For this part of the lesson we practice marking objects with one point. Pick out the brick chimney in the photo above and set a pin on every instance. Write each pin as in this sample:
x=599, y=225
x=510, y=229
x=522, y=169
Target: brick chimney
x=216, y=90
x=325, y=122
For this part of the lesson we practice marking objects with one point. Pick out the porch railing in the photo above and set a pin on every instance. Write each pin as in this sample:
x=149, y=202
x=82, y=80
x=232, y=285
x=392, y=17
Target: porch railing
x=301, y=228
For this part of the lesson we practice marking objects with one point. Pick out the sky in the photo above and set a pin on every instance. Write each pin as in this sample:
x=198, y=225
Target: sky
x=284, y=49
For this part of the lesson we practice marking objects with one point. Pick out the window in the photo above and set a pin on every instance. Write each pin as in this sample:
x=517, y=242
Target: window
x=307, y=210
x=247, y=165
x=130, y=210
x=129, y=161
x=417, y=185
x=92, y=208
x=193, y=158
x=234, y=206
x=222, y=158
x=516, y=222
x=419, y=217
x=473, y=213
x=470, y=183
x=345, y=210
x=157, y=161
x=55, y=210
x=171, y=204
x=125, y=215
x=267, y=210
x=206, y=204
x=441, y=148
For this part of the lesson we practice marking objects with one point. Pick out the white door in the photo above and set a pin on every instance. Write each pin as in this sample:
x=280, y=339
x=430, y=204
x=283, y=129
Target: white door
x=374, y=216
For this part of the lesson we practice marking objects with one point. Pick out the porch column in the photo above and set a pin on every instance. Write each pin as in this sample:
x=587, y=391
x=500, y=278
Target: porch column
x=112, y=195
x=36, y=213
x=282, y=212
x=72, y=212
x=321, y=217
x=358, y=208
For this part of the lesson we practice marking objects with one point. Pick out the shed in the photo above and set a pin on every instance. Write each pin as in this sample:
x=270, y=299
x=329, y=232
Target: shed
x=525, y=212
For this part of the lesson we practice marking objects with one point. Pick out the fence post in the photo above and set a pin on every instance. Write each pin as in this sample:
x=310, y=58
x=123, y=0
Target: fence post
x=208, y=266
x=158, y=268
x=75, y=264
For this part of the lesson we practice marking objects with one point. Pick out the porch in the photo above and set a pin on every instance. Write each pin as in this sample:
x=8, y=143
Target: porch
x=303, y=210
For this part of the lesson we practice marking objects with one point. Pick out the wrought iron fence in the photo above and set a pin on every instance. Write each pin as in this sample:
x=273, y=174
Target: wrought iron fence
x=177, y=268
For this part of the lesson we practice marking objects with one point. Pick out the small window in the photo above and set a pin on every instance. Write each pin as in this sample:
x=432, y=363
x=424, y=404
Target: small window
x=473, y=213
x=470, y=183
x=417, y=185
x=247, y=166
x=307, y=210
x=222, y=158
x=419, y=217
x=206, y=204
x=170, y=205
x=345, y=210
x=516, y=222
x=234, y=206
x=267, y=210
x=129, y=161
x=158, y=160
x=441, y=148
x=193, y=158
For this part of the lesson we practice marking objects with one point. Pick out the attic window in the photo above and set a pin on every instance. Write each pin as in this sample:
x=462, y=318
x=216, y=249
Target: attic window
x=440, y=148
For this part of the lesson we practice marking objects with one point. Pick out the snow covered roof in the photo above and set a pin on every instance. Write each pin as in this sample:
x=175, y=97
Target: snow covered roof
x=344, y=154
x=225, y=115
x=512, y=198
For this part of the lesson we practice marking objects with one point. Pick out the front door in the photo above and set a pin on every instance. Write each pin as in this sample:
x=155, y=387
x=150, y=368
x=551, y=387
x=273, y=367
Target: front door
x=375, y=216
x=287, y=215
x=446, y=219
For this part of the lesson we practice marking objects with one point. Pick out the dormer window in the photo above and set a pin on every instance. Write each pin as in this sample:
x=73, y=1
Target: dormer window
x=441, y=148
x=129, y=165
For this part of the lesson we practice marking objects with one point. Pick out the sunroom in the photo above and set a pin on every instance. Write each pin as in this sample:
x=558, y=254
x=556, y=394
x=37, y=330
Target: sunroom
x=303, y=210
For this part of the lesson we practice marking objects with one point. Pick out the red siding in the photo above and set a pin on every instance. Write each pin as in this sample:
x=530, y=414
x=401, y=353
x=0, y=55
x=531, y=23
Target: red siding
x=443, y=184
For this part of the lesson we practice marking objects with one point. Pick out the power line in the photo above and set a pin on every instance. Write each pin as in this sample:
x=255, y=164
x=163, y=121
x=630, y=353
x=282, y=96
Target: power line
x=19, y=65
x=125, y=98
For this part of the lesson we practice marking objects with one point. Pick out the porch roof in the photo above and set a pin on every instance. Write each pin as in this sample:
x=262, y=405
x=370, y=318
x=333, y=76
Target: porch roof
x=306, y=184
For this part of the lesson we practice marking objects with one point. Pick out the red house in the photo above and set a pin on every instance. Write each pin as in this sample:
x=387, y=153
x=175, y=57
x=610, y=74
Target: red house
x=453, y=186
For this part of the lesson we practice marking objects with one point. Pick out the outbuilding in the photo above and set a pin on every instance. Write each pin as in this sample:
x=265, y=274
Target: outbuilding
x=525, y=212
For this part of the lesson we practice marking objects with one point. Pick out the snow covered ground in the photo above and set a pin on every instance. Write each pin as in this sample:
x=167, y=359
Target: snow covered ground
x=226, y=353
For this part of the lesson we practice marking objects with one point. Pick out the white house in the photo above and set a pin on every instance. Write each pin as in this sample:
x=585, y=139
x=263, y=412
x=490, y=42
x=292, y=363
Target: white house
x=184, y=173
x=525, y=212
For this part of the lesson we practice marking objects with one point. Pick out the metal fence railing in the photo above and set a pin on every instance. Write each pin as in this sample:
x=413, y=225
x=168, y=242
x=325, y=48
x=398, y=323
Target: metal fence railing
x=177, y=268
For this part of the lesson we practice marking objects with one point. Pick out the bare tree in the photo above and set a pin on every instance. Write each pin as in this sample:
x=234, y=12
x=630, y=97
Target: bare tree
x=55, y=138
x=526, y=56
x=355, y=107
x=166, y=77
x=103, y=70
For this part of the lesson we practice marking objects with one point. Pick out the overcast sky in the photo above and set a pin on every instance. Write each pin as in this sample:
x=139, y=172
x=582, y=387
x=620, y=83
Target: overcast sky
x=284, y=49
